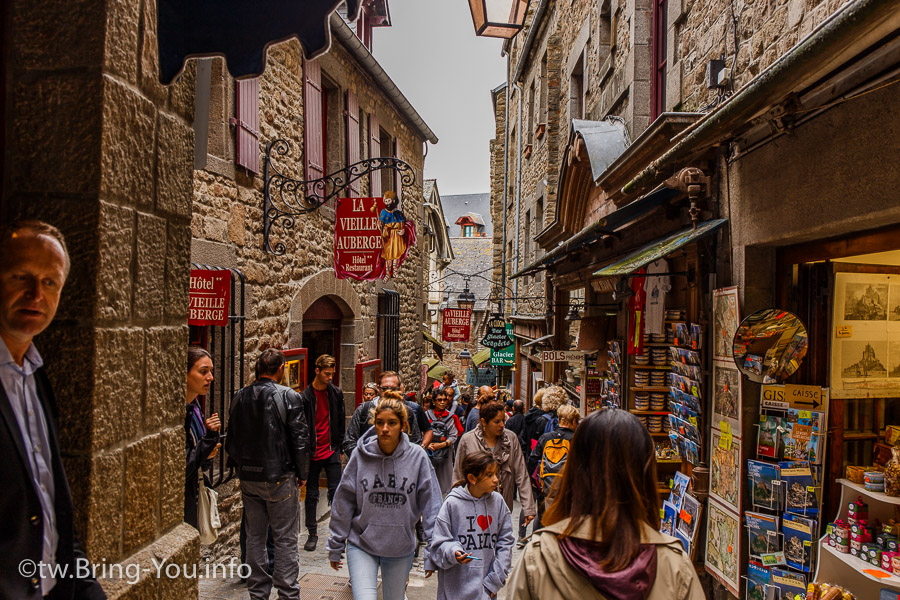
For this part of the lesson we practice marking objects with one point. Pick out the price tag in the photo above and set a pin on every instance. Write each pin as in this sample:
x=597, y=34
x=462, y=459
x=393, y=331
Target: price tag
x=686, y=516
x=773, y=559
x=725, y=438
x=805, y=414
x=843, y=331
x=693, y=421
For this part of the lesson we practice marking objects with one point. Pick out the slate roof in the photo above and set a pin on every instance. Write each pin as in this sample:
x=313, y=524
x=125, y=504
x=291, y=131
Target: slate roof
x=463, y=204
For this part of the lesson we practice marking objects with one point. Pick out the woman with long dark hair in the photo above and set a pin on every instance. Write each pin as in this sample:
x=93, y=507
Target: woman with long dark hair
x=601, y=535
x=202, y=435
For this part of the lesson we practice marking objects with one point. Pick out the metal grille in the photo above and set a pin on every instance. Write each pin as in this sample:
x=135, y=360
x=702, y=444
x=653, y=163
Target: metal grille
x=325, y=587
x=226, y=344
x=389, y=318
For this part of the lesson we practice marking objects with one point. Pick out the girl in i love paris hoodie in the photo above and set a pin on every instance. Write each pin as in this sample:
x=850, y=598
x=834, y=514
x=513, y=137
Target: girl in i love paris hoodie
x=471, y=547
x=386, y=485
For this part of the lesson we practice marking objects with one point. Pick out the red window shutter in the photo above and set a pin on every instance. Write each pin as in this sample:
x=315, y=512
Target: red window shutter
x=374, y=152
x=313, y=134
x=353, y=137
x=247, y=124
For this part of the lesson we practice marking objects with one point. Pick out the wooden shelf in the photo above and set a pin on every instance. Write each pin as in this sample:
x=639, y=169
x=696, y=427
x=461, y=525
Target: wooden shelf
x=658, y=344
x=879, y=496
x=860, y=567
x=668, y=461
x=635, y=411
x=664, y=490
x=649, y=388
x=660, y=434
x=637, y=367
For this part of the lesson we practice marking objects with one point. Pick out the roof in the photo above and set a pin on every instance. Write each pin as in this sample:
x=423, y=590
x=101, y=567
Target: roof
x=604, y=141
x=473, y=255
x=470, y=218
x=465, y=204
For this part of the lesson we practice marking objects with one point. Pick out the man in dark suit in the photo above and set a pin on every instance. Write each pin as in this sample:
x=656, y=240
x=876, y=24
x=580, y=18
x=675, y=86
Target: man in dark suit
x=40, y=556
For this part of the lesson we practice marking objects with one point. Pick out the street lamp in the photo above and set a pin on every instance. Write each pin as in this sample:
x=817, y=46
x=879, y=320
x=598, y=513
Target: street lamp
x=573, y=315
x=465, y=358
x=498, y=18
x=466, y=300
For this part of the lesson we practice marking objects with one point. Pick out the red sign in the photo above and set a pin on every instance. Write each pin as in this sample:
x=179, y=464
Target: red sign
x=371, y=238
x=209, y=297
x=457, y=324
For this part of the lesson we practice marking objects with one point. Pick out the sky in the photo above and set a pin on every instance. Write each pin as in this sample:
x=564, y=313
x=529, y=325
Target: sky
x=447, y=73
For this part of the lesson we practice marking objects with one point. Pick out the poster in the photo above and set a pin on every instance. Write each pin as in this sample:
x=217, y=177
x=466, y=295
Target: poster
x=372, y=237
x=725, y=477
x=726, y=318
x=865, y=339
x=456, y=324
x=727, y=394
x=209, y=294
x=723, y=537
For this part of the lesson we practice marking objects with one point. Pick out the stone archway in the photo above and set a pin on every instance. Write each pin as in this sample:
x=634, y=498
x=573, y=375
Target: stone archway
x=353, y=330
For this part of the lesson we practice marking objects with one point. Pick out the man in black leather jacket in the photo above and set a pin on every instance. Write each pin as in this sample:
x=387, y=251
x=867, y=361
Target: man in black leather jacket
x=268, y=441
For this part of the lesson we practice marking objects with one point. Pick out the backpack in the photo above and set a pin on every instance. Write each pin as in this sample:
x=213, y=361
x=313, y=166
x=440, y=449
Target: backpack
x=556, y=451
x=552, y=422
x=441, y=431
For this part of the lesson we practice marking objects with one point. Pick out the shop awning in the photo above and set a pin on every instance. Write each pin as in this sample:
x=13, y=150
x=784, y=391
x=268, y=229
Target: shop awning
x=436, y=343
x=481, y=357
x=658, y=249
x=437, y=371
x=537, y=341
x=604, y=226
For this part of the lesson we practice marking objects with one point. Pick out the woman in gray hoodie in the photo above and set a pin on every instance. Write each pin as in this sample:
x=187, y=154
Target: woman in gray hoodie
x=386, y=485
x=472, y=543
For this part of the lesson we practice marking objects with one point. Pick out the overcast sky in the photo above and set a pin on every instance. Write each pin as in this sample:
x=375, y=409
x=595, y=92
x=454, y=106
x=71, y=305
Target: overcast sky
x=447, y=73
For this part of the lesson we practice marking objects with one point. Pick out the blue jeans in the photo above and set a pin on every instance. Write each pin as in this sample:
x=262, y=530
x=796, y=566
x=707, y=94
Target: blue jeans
x=364, y=574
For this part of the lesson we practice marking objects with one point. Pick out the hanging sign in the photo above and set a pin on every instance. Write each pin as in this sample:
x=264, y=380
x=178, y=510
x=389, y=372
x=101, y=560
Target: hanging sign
x=505, y=357
x=561, y=356
x=456, y=325
x=372, y=237
x=209, y=295
x=497, y=337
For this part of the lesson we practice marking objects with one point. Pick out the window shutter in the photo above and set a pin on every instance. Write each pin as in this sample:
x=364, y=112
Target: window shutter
x=313, y=134
x=352, y=108
x=247, y=124
x=374, y=152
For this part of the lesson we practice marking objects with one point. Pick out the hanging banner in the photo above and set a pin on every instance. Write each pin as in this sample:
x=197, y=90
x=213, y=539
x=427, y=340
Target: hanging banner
x=505, y=357
x=457, y=325
x=209, y=294
x=497, y=337
x=372, y=237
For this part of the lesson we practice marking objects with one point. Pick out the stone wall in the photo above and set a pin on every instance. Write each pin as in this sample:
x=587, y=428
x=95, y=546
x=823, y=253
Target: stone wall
x=97, y=147
x=227, y=229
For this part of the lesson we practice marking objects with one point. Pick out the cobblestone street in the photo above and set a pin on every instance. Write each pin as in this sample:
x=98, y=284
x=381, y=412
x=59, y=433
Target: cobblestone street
x=319, y=581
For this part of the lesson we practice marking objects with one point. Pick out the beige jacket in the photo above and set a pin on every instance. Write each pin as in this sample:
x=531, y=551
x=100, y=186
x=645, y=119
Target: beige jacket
x=512, y=470
x=543, y=574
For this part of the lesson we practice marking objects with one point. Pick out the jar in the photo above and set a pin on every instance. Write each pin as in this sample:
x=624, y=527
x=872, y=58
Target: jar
x=892, y=473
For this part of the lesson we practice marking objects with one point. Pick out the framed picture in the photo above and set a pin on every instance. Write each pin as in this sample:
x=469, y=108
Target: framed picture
x=865, y=340
x=727, y=394
x=726, y=318
x=725, y=478
x=723, y=551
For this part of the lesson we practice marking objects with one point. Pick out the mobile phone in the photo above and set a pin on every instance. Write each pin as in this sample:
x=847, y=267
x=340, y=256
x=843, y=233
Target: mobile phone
x=222, y=436
x=472, y=557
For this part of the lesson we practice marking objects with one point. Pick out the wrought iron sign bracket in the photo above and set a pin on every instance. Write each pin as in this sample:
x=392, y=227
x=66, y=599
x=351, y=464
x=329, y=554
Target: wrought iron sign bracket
x=285, y=198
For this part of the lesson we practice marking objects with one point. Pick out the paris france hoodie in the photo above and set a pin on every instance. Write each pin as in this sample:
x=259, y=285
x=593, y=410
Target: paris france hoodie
x=481, y=527
x=380, y=498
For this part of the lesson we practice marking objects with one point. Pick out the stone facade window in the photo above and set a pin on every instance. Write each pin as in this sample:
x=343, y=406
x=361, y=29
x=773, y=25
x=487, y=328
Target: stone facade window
x=660, y=47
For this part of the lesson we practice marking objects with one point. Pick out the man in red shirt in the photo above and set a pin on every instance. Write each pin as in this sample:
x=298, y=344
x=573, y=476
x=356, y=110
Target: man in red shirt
x=324, y=404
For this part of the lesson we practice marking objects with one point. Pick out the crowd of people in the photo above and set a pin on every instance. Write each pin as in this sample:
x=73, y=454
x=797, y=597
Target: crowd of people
x=438, y=472
x=441, y=471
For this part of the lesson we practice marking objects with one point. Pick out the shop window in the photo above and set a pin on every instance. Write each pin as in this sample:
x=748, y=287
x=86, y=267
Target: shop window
x=576, y=91
x=659, y=47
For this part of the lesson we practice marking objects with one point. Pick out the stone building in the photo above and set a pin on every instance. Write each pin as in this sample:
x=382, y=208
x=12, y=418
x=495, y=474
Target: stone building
x=332, y=112
x=440, y=255
x=747, y=124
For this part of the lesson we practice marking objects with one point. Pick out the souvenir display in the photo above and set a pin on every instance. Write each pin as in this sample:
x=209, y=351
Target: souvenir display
x=769, y=441
x=789, y=583
x=680, y=486
x=758, y=583
x=726, y=317
x=726, y=394
x=725, y=470
x=764, y=484
x=763, y=533
x=669, y=518
x=799, y=541
x=723, y=552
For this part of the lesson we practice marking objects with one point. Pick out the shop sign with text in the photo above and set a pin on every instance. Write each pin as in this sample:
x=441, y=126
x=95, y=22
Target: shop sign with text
x=561, y=356
x=505, y=357
x=457, y=325
x=372, y=238
x=209, y=296
x=497, y=336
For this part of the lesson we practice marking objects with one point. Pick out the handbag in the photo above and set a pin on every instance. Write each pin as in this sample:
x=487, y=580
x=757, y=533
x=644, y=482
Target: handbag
x=208, y=519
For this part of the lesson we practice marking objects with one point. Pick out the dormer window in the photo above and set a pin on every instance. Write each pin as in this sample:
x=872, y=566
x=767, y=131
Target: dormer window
x=468, y=230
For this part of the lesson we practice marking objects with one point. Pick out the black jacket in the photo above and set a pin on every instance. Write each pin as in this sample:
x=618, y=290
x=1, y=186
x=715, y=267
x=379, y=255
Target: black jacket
x=515, y=423
x=196, y=460
x=337, y=419
x=532, y=429
x=267, y=433
x=22, y=535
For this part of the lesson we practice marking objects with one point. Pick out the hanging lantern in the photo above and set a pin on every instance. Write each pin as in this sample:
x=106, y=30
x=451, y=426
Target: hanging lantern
x=498, y=18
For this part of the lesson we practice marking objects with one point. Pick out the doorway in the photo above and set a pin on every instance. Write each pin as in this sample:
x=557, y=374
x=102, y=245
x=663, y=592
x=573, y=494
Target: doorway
x=322, y=335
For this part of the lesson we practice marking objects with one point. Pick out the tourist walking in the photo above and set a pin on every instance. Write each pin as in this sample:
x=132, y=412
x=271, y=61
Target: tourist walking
x=601, y=537
x=474, y=524
x=491, y=436
x=268, y=441
x=202, y=435
x=448, y=380
x=359, y=422
x=447, y=429
x=324, y=404
x=517, y=421
x=387, y=483
x=485, y=394
x=548, y=458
